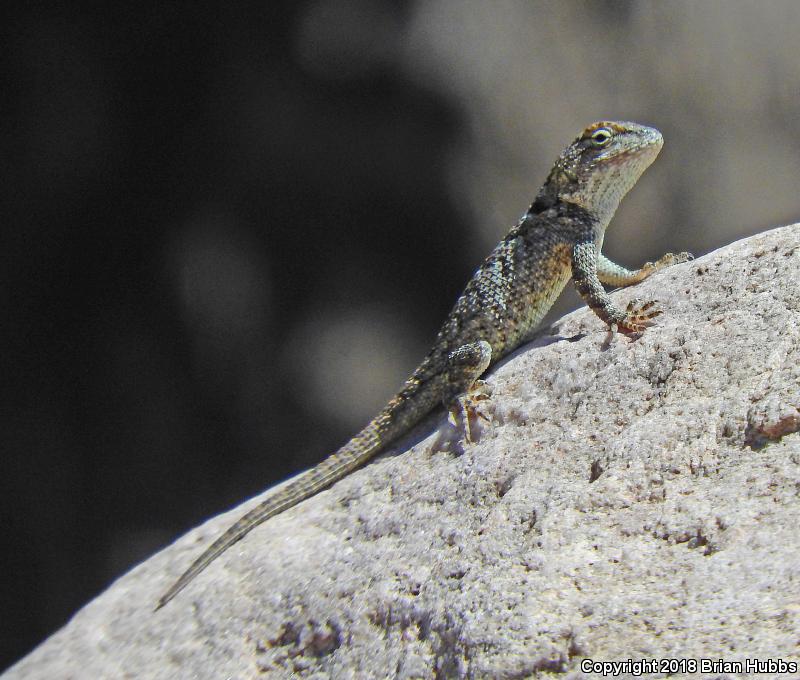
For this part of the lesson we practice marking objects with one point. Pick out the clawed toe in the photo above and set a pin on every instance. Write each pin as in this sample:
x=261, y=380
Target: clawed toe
x=668, y=260
x=675, y=258
x=464, y=410
x=639, y=315
x=635, y=310
x=480, y=391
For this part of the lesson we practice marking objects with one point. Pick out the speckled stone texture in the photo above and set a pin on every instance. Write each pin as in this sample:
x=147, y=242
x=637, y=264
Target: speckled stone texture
x=626, y=498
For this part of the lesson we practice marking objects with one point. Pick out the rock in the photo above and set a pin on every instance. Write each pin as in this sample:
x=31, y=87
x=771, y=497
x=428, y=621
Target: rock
x=627, y=498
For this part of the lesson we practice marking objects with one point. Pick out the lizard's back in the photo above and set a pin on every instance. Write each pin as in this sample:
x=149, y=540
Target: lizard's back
x=559, y=237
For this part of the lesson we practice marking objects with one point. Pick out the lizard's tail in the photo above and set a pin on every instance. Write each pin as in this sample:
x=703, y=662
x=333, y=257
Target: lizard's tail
x=355, y=453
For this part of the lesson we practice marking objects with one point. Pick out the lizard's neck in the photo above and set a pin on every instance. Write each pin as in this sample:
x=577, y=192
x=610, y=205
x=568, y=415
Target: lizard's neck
x=596, y=191
x=581, y=218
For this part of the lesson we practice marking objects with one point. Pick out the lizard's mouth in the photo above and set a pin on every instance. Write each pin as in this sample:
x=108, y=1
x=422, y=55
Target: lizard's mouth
x=647, y=151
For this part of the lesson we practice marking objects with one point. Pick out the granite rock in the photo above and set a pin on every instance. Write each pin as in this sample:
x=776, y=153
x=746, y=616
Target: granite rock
x=625, y=498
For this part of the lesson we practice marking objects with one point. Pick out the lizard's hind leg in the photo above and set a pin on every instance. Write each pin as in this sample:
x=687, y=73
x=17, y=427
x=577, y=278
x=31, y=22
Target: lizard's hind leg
x=463, y=389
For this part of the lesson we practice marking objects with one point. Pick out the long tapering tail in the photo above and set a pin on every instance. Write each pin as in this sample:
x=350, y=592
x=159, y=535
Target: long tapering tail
x=366, y=444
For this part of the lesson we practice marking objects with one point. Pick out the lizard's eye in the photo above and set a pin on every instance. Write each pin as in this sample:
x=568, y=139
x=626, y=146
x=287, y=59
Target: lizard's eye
x=601, y=137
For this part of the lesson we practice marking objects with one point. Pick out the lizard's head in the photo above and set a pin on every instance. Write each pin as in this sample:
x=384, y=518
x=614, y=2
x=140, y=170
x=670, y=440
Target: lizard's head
x=601, y=166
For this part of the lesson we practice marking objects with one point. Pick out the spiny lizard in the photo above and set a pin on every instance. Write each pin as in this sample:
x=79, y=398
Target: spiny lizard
x=558, y=238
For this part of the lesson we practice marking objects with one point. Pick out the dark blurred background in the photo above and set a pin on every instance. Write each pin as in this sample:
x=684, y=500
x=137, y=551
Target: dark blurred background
x=230, y=231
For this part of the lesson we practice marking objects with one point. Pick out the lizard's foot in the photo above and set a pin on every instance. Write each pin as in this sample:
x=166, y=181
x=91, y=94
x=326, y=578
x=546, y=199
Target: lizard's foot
x=638, y=316
x=464, y=390
x=465, y=410
x=480, y=391
x=666, y=261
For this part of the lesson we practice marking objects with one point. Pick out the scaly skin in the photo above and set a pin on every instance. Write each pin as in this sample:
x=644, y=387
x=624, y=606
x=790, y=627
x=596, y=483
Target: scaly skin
x=559, y=238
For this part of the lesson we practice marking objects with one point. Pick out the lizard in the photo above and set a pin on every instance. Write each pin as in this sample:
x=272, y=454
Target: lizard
x=558, y=238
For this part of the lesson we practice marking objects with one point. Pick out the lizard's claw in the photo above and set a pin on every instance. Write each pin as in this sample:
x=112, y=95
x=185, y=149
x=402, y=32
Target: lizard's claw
x=638, y=316
x=465, y=409
x=479, y=391
x=667, y=261
x=677, y=258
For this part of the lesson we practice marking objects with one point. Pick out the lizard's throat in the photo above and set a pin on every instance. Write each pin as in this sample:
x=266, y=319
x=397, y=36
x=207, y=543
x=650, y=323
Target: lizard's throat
x=600, y=193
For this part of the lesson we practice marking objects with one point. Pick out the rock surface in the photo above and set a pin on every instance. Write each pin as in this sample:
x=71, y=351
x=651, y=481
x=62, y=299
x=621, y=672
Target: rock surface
x=627, y=498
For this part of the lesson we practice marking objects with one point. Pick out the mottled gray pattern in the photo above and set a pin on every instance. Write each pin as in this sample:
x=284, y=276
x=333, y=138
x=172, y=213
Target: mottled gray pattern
x=560, y=236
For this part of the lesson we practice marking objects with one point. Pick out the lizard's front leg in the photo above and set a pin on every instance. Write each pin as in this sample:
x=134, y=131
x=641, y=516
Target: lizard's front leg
x=635, y=318
x=612, y=274
x=461, y=372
